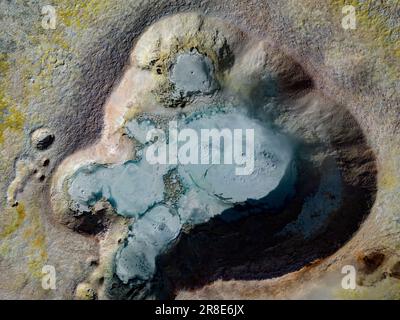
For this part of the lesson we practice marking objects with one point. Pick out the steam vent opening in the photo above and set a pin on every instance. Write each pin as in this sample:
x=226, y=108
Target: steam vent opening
x=227, y=163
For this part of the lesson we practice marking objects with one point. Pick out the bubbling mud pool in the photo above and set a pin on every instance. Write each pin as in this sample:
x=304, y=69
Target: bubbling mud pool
x=164, y=197
x=270, y=205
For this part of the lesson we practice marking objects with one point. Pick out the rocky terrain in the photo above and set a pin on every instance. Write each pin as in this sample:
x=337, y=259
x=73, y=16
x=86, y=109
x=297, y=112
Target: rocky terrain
x=70, y=96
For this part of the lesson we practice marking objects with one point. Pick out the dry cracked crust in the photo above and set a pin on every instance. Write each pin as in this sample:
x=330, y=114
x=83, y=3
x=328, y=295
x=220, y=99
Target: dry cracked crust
x=345, y=85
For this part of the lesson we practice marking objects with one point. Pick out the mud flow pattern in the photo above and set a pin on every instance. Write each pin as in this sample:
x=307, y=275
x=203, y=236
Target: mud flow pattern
x=193, y=223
